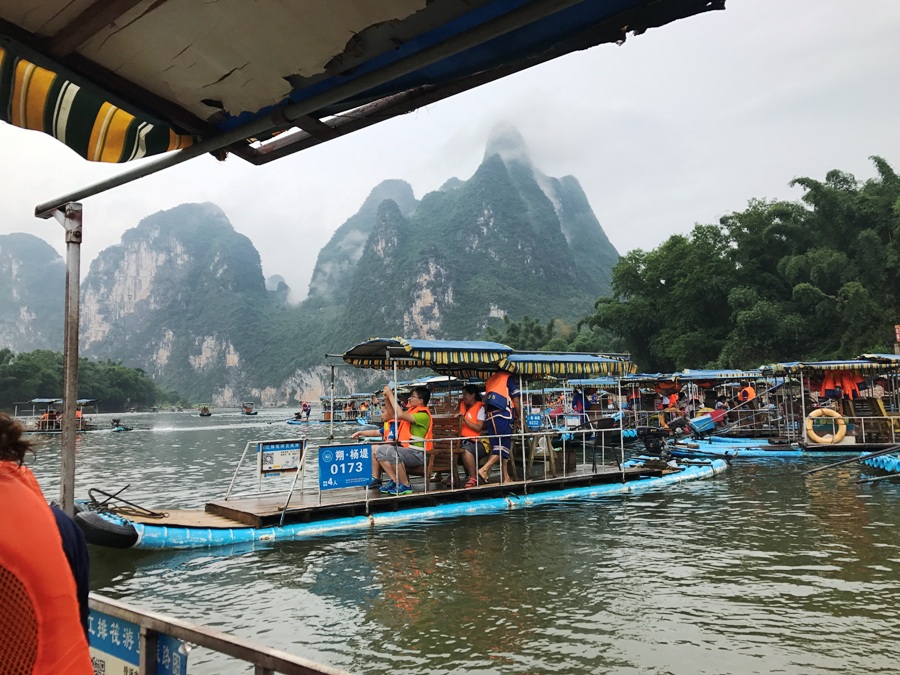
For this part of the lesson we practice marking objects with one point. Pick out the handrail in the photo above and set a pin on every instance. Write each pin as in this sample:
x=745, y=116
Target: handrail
x=265, y=659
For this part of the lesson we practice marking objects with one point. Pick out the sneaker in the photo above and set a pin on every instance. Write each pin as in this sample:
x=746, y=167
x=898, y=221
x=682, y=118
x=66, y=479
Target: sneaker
x=374, y=484
x=401, y=489
x=388, y=487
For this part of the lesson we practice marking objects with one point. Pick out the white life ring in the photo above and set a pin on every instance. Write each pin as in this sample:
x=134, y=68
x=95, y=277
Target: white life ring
x=826, y=439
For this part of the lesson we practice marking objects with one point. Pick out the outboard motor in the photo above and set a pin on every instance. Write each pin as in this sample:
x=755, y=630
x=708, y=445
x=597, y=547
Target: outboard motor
x=654, y=441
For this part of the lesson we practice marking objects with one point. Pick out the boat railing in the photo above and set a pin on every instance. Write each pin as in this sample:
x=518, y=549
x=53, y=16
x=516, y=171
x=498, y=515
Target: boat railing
x=558, y=449
x=872, y=429
x=265, y=660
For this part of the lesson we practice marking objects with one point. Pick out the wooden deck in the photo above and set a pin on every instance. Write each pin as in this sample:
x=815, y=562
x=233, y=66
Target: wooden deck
x=312, y=505
x=186, y=518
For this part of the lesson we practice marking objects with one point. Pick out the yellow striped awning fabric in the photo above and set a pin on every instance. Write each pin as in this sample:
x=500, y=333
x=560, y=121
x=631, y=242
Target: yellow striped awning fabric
x=32, y=97
x=566, y=365
x=439, y=355
x=862, y=366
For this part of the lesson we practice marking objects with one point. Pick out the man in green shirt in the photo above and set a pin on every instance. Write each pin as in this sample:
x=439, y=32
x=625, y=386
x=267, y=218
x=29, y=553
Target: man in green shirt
x=414, y=435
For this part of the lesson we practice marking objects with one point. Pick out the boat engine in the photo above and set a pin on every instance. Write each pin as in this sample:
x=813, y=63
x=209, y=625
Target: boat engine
x=654, y=441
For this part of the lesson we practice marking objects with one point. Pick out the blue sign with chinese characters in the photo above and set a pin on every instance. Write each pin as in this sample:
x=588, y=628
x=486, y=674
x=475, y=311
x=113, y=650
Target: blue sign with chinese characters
x=115, y=647
x=344, y=466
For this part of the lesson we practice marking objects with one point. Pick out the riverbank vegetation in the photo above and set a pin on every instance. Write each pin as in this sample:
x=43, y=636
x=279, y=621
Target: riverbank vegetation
x=39, y=374
x=813, y=279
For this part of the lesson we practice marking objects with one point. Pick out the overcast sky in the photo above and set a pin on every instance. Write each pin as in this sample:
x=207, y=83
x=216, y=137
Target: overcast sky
x=677, y=126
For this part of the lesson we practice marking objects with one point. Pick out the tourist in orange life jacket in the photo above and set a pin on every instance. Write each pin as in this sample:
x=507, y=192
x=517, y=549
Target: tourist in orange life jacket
x=503, y=405
x=42, y=632
x=414, y=440
x=746, y=393
x=471, y=422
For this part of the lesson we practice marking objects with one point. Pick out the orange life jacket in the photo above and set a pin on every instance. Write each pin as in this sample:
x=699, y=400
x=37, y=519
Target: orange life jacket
x=499, y=383
x=38, y=578
x=404, y=429
x=748, y=393
x=470, y=414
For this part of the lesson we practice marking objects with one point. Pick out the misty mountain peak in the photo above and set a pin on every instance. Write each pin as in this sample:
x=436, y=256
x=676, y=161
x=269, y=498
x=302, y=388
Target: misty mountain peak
x=506, y=141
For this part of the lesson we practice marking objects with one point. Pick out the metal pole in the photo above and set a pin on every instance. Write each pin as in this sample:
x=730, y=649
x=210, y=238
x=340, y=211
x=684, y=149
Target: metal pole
x=70, y=219
x=802, y=420
x=331, y=416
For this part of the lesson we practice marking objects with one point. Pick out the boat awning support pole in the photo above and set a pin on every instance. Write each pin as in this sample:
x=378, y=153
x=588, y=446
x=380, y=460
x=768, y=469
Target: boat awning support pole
x=69, y=216
x=802, y=419
x=331, y=403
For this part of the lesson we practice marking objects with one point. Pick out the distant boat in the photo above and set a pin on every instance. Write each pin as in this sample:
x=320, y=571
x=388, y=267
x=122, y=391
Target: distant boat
x=204, y=411
x=247, y=409
x=46, y=415
x=118, y=426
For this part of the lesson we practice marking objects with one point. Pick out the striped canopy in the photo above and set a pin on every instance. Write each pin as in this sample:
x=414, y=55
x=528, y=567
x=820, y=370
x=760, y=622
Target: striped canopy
x=36, y=98
x=882, y=358
x=859, y=365
x=703, y=375
x=565, y=365
x=264, y=79
x=440, y=355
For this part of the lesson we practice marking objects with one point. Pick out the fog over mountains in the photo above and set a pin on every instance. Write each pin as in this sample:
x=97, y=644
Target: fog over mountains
x=183, y=295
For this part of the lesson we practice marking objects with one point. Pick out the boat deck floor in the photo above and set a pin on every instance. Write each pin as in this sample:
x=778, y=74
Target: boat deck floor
x=312, y=505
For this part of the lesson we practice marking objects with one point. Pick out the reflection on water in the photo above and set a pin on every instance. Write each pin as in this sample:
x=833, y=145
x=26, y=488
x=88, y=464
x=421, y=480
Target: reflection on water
x=760, y=570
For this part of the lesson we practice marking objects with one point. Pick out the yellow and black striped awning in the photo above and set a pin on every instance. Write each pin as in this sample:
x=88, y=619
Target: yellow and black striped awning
x=861, y=366
x=565, y=365
x=36, y=98
x=439, y=355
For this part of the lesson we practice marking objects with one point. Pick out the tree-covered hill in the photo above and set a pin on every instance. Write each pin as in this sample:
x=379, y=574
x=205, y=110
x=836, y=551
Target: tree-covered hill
x=780, y=280
x=39, y=374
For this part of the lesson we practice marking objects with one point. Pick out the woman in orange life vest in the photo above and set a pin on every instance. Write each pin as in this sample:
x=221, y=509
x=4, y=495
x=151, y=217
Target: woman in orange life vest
x=42, y=633
x=414, y=434
x=471, y=421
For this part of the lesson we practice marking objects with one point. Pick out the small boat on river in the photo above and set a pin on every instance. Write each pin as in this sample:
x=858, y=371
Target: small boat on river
x=248, y=408
x=328, y=485
x=204, y=411
x=46, y=416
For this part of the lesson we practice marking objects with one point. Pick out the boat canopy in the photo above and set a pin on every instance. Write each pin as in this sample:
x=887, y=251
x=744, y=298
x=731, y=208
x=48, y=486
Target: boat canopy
x=862, y=366
x=51, y=401
x=889, y=358
x=718, y=375
x=117, y=81
x=439, y=355
x=564, y=364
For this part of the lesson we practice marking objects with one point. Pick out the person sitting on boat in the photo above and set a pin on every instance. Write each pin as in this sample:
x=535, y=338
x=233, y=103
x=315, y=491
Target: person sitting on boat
x=471, y=421
x=387, y=433
x=414, y=434
x=503, y=405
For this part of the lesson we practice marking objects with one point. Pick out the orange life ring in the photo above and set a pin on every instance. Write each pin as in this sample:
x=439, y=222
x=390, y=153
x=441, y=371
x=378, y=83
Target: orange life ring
x=827, y=439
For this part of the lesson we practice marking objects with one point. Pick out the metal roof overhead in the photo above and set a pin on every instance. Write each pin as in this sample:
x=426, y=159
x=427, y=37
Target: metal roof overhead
x=235, y=75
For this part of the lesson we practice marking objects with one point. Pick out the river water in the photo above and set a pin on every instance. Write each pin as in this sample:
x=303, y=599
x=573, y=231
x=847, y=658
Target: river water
x=760, y=570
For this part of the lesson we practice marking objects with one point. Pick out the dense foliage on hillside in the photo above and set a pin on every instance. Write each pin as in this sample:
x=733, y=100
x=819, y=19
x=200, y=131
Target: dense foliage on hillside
x=39, y=374
x=778, y=281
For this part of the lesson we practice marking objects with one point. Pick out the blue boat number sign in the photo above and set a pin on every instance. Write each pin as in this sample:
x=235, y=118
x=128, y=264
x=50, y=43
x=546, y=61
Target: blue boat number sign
x=115, y=647
x=534, y=421
x=277, y=457
x=344, y=466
